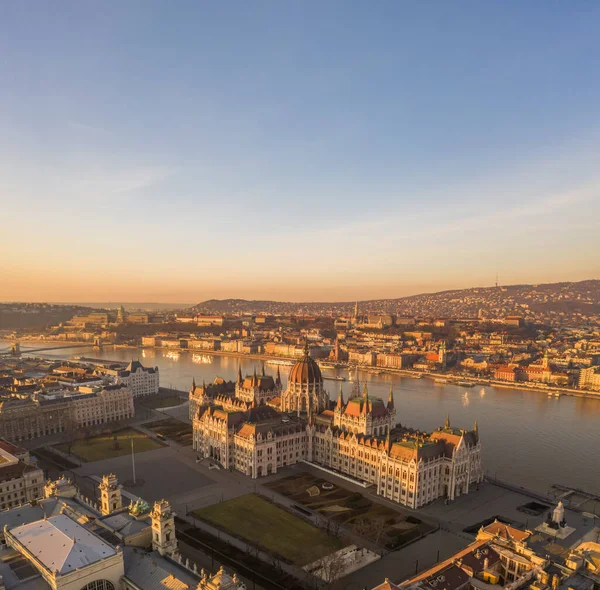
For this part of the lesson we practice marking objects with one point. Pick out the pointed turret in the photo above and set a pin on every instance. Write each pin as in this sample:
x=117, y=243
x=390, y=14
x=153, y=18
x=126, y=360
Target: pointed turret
x=240, y=379
x=390, y=402
x=447, y=423
x=254, y=378
x=388, y=441
x=475, y=428
x=193, y=383
x=306, y=347
x=263, y=369
x=278, y=378
x=340, y=399
x=365, y=392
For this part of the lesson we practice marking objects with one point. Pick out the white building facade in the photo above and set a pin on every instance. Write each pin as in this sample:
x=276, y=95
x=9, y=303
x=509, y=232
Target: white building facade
x=358, y=438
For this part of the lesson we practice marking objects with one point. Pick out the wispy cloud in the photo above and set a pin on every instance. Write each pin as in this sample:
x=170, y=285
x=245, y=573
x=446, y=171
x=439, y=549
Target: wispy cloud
x=88, y=128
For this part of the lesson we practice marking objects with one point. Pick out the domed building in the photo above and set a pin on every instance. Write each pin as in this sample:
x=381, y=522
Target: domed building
x=304, y=393
x=358, y=438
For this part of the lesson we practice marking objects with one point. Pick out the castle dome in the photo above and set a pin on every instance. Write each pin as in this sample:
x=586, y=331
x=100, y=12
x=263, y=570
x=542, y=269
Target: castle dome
x=305, y=370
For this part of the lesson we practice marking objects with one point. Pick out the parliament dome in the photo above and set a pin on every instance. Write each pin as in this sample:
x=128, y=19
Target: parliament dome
x=305, y=370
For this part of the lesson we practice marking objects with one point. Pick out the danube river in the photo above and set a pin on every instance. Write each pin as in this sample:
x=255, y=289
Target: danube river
x=529, y=439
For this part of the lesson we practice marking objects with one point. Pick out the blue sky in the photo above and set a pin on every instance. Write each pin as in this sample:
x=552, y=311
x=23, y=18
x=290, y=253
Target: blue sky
x=296, y=150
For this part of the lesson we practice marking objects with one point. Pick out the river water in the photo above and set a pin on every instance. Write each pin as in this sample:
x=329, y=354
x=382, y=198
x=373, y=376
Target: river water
x=529, y=439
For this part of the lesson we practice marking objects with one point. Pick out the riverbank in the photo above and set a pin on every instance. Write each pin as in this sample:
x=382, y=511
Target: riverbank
x=442, y=378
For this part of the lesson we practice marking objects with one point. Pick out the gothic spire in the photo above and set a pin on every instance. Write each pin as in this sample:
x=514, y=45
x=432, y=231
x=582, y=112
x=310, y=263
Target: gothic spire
x=193, y=383
x=366, y=404
x=240, y=379
x=305, y=347
x=447, y=424
x=390, y=402
x=263, y=369
x=278, y=378
x=475, y=428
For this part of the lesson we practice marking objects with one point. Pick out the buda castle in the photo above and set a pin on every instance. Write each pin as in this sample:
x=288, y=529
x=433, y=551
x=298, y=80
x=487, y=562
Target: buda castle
x=257, y=427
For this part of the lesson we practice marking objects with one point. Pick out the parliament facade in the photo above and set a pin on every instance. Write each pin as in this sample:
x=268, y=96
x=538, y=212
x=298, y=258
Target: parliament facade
x=257, y=427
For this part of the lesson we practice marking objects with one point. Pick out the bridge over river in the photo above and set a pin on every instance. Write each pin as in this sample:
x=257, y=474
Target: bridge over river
x=16, y=349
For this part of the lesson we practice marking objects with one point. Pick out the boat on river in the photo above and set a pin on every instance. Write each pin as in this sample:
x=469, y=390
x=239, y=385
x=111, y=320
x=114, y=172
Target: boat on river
x=285, y=362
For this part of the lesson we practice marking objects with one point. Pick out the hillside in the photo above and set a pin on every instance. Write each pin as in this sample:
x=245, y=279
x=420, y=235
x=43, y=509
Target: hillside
x=570, y=299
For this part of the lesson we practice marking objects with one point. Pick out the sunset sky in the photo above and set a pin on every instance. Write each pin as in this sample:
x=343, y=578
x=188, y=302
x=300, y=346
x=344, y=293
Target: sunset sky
x=174, y=152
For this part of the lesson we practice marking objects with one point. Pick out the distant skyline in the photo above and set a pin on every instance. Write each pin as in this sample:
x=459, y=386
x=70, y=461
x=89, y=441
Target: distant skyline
x=297, y=151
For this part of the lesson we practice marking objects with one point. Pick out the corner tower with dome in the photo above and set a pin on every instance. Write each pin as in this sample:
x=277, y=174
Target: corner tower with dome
x=305, y=393
x=256, y=431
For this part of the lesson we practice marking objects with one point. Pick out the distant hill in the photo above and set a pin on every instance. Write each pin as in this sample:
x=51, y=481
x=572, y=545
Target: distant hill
x=133, y=306
x=36, y=316
x=581, y=297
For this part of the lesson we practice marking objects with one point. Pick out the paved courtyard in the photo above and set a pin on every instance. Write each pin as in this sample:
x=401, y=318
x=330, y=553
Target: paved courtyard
x=163, y=472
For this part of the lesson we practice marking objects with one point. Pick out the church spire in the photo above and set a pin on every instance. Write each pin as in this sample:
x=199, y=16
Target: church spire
x=390, y=402
x=263, y=369
x=447, y=424
x=475, y=428
x=240, y=374
x=305, y=347
x=278, y=378
x=193, y=383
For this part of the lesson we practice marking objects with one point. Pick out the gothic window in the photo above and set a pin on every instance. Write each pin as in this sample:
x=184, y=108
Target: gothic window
x=99, y=585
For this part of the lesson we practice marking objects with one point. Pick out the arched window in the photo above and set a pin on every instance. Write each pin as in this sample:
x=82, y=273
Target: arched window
x=99, y=585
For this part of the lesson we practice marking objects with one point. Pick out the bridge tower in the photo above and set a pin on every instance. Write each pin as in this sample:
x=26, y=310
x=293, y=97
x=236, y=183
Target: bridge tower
x=15, y=349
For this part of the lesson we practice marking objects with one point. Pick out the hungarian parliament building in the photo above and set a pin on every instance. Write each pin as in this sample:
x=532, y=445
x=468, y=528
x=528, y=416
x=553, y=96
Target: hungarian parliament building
x=256, y=426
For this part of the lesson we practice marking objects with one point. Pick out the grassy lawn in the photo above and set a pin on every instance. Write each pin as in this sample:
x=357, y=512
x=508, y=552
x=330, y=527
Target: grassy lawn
x=272, y=528
x=376, y=522
x=161, y=401
x=102, y=446
x=173, y=429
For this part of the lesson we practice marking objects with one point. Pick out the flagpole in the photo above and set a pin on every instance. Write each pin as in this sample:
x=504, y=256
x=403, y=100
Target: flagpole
x=133, y=460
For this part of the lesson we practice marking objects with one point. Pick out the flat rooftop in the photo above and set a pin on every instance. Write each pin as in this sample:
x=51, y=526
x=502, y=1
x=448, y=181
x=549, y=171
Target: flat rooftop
x=62, y=544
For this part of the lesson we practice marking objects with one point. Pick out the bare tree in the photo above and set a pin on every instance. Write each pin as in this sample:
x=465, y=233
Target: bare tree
x=330, y=568
x=73, y=436
x=371, y=528
x=333, y=526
